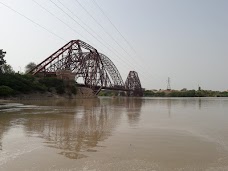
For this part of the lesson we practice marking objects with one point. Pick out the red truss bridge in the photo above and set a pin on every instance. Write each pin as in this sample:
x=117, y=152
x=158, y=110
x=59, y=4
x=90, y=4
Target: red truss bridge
x=77, y=59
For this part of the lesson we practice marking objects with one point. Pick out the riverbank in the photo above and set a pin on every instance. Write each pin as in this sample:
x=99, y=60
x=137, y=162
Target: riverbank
x=3, y=101
x=19, y=86
x=82, y=93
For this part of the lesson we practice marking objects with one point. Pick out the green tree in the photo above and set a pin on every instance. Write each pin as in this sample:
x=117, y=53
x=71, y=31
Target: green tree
x=2, y=60
x=7, y=69
x=29, y=67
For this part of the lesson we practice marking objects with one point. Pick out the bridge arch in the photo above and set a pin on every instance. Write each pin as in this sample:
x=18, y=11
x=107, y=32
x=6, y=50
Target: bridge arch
x=133, y=83
x=78, y=59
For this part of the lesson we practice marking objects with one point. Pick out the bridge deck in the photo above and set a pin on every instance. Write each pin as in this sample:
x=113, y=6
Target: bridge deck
x=106, y=88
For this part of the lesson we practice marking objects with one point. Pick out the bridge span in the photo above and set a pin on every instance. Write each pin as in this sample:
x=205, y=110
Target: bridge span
x=77, y=59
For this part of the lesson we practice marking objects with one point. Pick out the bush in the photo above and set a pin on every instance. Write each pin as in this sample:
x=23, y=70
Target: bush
x=53, y=83
x=6, y=91
x=21, y=83
x=60, y=89
x=190, y=93
x=149, y=93
x=73, y=89
x=17, y=82
x=29, y=84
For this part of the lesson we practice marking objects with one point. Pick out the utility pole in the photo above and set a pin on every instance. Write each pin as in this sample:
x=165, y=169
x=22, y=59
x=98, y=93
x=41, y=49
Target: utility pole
x=168, y=84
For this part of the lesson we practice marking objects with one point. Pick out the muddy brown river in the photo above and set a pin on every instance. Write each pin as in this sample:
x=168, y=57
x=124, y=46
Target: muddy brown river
x=116, y=134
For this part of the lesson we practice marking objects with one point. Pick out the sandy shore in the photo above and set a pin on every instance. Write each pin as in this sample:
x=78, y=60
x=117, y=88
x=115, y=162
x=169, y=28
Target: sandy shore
x=3, y=100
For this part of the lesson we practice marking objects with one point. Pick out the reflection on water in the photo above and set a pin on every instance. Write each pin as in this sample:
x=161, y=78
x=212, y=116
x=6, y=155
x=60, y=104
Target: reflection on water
x=66, y=127
x=199, y=102
x=74, y=133
x=115, y=134
x=133, y=110
x=4, y=126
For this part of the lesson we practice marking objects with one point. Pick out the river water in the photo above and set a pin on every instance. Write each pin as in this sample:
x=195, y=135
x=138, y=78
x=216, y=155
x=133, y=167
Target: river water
x=135, y=134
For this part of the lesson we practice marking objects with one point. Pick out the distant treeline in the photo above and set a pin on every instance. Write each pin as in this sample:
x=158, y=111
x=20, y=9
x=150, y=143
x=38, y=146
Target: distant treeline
x=188, y=93
x=12, y=84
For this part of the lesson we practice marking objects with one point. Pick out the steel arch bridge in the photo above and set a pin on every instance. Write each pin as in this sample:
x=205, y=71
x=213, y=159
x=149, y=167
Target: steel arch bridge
x=77, y=59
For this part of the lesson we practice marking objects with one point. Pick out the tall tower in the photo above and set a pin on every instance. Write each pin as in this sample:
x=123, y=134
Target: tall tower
x=168, y=84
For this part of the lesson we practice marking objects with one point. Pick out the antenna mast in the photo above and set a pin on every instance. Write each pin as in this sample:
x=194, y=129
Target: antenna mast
x=168, y=84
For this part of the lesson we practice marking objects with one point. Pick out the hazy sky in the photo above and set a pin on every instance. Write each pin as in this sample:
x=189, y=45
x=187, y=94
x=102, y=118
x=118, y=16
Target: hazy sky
x=186, y=40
